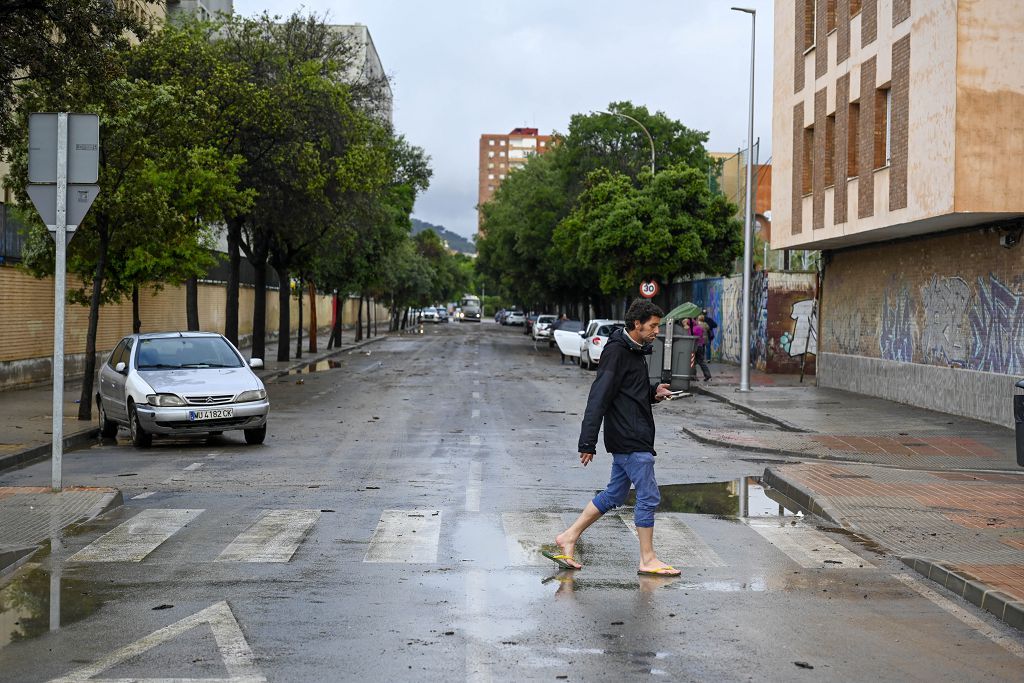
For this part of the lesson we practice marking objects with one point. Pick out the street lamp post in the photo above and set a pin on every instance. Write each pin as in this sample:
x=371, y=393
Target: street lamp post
x=748, y=237
x=646, y=132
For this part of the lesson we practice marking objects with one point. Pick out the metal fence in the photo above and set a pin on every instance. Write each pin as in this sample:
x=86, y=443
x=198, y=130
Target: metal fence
x=12, y=235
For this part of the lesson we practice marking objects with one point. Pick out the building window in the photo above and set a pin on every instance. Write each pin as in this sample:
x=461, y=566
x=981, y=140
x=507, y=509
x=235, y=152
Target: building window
x=854, y=8
x=491, y=165
x=852, y=128
x=501, y=153
x=490, y=176
x=491, y=143
x=502, y=143
x=502, y=176
x=883, y=130
x=543, y=143
x=809, y=8
x=808, y=156
x=490, y=154
x=830, y=150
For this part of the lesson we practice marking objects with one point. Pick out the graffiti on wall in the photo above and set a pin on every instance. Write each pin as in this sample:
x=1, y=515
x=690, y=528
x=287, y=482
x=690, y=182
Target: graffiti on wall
x=997, y=328
x=731, y=321
x=896, y=327
x=759, y=319
x=846, y=332
x=804, y=337
x=944, y=336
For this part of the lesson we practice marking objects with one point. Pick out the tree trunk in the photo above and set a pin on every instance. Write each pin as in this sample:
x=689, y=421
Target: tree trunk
x=298, y=340
x=359, y=320
x=192, y=304
x=369, y=317
x=312, y=318
x=405, y=318
x=259, y=313
x=284, y=298
x=235, y=265
x=335, y=339
x=136, y=319
x=86, y=399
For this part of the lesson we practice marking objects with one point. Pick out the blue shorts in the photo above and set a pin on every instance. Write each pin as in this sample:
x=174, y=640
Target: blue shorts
x=637, y=469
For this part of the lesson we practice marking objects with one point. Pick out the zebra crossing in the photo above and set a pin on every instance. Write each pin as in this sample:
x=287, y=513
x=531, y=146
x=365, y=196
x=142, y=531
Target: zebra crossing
x=417, y=536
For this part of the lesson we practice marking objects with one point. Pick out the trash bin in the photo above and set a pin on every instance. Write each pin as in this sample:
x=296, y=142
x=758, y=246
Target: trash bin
x=1018, y=416
x=682, y=349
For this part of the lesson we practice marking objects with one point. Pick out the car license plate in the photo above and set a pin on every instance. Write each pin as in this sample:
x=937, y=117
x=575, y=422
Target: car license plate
x=212, y=414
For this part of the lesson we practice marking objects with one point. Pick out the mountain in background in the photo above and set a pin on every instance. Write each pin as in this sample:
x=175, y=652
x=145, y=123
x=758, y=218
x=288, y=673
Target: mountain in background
x=455, y=241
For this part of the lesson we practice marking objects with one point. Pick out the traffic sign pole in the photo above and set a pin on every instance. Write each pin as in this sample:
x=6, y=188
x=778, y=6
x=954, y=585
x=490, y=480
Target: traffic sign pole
x=59, y=295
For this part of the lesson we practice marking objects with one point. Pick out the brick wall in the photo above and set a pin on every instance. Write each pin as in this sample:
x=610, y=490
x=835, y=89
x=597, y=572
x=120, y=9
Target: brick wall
x=868, y=22
x=818, y=178
x=799, y=44
x=866, y=139
x=821, y=29
x=841, y=157
x=954, y=300
x=796, y=221
x=900, y=123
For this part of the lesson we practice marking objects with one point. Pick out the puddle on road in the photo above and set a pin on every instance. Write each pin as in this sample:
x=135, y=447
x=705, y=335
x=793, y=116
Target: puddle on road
x=745, y=497
x=319, y=366
x=33, y=602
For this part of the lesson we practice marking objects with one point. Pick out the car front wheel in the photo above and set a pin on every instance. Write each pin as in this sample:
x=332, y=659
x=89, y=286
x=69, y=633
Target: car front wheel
x=140, y=438
x=256, y=436
x=108, y=429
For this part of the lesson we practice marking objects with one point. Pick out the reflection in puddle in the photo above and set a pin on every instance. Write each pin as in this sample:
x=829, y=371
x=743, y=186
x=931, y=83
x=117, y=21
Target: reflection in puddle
x=34, y=602
x=319, y=366
x=746, y=497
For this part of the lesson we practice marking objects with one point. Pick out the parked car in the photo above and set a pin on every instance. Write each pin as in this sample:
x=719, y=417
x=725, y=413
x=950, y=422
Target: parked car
x=429, y=315
x=528, y=326
x=594, y=340
x=542, y=327
x=515, y=318
x=180, y=383
x=568, y=336
x=442, y=314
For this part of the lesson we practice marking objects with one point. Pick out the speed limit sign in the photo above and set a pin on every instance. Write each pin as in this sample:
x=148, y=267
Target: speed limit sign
x=649, y=289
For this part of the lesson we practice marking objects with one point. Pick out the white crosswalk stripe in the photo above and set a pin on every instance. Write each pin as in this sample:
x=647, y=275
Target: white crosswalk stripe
x=808, y=547
x=677, y=544
x=273, y=538
x=136, y=538
x=526, y=533
x=406, y=536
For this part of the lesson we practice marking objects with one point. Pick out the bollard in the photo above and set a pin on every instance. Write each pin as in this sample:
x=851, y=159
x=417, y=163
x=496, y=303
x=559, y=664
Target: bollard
x=1018, y=416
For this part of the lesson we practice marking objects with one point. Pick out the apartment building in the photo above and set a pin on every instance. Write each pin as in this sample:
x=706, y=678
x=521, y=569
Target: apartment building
x=896, y=136
x=500, y=154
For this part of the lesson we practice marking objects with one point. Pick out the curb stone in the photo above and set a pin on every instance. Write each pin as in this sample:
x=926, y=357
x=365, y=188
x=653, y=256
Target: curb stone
x=786, y=426
x=803, y=497
x=43, y=451
x=997, y=603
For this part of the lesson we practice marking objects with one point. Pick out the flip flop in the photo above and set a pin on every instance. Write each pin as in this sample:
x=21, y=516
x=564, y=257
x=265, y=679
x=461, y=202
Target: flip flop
x=661, y=571
x=560, y=560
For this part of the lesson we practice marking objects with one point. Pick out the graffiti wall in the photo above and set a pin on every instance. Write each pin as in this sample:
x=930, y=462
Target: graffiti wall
x=953, y=301
x=783, y=322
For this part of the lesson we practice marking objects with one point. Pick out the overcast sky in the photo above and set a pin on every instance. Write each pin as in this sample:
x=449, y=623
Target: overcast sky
x=461, y=68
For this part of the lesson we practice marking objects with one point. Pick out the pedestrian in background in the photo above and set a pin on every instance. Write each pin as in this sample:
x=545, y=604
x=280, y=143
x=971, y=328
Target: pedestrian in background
x=621, y=397
x=703, y=332
x=712, y=326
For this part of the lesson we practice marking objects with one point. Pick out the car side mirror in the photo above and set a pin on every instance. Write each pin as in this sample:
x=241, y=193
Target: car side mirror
x=255, y=363
x=120, y=368
x=583, y=333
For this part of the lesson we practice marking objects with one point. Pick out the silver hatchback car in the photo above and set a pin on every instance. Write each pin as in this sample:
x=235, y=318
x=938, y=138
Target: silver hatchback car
x=180, y=383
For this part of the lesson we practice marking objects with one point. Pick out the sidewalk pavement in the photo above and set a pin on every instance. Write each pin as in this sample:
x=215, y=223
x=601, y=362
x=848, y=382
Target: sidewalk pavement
x=943, y=493
x=28, y=515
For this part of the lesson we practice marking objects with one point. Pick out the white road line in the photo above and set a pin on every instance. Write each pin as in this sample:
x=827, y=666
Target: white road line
x=677, y=544
x=193, y=467
x=476, y=382
x=474, y=486
x=132, y=540
x=476, y=414
x=1009, y=644
x=478, y=659
x=474, y=440
x=143, y=496
x=274, y=537
x=808, y=547
x=234, y=650
x=406, y=536
x=476, y=395
x=526, y=533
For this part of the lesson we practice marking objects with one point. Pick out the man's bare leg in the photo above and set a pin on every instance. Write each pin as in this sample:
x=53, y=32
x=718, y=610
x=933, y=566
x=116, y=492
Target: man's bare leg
x=567, y=539
x=648, y=560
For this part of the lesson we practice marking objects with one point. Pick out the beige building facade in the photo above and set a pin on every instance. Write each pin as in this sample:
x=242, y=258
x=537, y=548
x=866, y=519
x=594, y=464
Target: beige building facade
x=896, y=136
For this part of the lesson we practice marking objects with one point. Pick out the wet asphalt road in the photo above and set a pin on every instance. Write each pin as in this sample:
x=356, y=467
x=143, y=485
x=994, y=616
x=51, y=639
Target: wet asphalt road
x=464, y=435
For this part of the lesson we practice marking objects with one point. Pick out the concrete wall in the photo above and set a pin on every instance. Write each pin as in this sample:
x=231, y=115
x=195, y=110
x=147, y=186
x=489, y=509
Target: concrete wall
x=953, y=302
x=780, y=317
x=26, y=321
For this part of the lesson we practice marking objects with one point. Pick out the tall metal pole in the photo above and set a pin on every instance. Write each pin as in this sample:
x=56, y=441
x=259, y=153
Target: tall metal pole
x=748, y=237
x=60, y=269
x=646, y=132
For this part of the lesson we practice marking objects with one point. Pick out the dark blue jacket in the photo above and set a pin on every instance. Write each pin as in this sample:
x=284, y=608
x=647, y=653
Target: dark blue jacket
x=621, y=396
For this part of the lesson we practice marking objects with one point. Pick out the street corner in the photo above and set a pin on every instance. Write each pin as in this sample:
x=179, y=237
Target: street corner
x=30, y=514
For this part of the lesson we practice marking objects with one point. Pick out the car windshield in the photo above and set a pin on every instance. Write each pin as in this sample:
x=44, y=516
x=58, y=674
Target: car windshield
x=570, y=326
x=546, y=319
x=186, y=352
